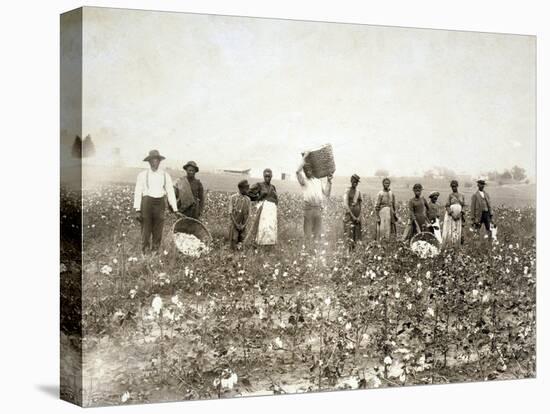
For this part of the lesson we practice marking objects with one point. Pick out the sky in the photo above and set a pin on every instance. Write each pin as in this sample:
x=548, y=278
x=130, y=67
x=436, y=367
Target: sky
x=253, y=93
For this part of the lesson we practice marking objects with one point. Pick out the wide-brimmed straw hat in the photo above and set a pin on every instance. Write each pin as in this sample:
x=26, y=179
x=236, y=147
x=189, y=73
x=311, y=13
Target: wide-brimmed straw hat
x=356, y=177
x=191, y=164
x=154, y=154
x=434, y=194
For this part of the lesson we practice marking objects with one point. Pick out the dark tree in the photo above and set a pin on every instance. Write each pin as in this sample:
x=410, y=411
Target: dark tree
x=76, y=150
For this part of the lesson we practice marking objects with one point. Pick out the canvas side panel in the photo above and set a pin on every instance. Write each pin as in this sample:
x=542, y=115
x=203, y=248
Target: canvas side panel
x=70, y=206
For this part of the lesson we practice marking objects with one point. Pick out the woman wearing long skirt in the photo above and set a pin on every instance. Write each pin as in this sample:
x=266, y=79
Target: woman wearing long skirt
x=454, y=218
x=264, y=228
x=385, y=213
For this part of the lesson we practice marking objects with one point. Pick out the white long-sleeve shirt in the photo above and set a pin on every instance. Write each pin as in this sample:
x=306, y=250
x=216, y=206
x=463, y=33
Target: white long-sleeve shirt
x=155, y=184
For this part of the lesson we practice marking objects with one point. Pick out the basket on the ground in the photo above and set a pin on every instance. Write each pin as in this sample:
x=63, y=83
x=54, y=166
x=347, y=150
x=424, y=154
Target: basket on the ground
x=191, y=226
x=425, y=245
x=427, y=237
x=321, y=161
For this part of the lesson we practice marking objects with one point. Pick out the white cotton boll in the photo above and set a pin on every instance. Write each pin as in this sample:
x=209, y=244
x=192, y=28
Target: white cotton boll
x=424, y=249
x=327, y=301
x=387, y=360
x=157, y=304
x=431, y=312
x=278, y=342
x=125, y=396
x=190, y=245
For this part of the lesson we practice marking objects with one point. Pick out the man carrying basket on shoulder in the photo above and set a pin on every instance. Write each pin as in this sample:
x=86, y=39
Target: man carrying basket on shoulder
x=153, y=186
x=314, y=196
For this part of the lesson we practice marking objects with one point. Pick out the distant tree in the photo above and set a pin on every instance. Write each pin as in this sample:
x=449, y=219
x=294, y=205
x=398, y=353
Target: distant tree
x=518, y=173
x=88, y=147
x=506, y=175
x=381, y=173
x=76, y=150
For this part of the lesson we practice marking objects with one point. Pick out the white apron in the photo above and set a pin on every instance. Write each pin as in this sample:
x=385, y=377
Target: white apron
x=267, y=225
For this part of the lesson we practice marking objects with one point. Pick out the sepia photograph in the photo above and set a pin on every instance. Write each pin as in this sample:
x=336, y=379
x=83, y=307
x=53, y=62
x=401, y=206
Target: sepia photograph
x=259, y=206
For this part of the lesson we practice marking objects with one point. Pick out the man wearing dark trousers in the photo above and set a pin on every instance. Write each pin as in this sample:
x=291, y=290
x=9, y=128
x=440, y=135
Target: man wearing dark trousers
x=482, y=214
x=153, y=187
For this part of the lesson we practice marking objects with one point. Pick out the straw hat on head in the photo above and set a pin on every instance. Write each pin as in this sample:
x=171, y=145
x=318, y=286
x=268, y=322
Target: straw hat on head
x=154, y=154
x=434, y=194
x=481, y=182
x=191, y=164
x=356, y=177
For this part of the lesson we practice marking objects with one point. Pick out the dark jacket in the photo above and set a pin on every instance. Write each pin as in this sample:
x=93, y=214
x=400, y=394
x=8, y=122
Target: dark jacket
x=476, y=207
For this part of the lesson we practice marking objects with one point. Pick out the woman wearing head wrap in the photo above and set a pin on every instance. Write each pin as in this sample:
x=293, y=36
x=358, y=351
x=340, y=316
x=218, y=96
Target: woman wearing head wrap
x=418, y=214
x=385, y=212
x=454, y=218
x=264, y=228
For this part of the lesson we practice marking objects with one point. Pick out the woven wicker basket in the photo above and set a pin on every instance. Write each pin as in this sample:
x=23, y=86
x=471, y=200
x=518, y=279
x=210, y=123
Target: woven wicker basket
x=322, y=161
x=191, y=226
x=427, y=237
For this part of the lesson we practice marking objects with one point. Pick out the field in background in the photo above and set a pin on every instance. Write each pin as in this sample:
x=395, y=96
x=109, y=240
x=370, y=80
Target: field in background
x=514, y=196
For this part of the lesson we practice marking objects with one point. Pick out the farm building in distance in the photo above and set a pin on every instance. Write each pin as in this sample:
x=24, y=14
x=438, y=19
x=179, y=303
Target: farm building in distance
x=234, y=171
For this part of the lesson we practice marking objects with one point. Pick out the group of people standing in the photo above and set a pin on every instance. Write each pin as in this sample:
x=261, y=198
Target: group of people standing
x=154, y=187
x=423, y=215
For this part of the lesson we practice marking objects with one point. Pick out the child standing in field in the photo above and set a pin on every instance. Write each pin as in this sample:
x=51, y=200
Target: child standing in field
x=239, y=211
x=418, y=214
x=352, y=214
x=434, y=212
x=385, y=211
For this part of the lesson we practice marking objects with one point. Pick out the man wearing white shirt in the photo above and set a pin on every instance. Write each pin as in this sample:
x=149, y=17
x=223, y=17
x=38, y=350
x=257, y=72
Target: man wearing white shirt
x=314, y=196
x=153, y=186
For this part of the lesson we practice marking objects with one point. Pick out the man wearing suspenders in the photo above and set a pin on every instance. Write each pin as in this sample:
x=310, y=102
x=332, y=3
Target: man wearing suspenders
x=153, y=186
